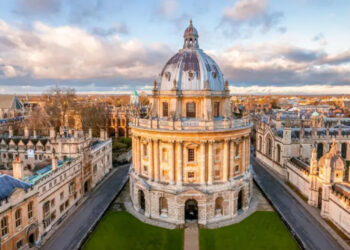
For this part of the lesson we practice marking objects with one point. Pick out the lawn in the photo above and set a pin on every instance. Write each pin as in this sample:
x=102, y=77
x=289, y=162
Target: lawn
x=120, y=230
x=261, y=230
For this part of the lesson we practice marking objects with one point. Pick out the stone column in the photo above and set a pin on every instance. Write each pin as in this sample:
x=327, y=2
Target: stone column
x=179, y=162
x=243, y=155
x=225, y=163
x=247, y=153
x=172, y=162
x=151, y=163
x=210, y=162
x=232, y=159
x=202, y=162
x=156, y=160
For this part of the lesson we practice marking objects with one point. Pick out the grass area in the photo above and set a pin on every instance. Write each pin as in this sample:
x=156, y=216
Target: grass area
x=120, y=230
x=261, y=230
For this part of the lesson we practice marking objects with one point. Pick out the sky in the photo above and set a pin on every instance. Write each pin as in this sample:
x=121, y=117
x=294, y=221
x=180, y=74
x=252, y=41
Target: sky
x=117, y=46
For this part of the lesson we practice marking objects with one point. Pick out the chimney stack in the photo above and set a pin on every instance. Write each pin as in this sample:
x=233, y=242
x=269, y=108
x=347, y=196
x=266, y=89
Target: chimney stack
x=17, y=167
x=52, y=133
x=102, y=134
x=54, y=161
x=10, y=131
x=35, y=134
x=26, y=132
x=90, y=132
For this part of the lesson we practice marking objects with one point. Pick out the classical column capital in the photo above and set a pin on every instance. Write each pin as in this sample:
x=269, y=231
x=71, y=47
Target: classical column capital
x=203, y=141
x=180, y=141
x=172, y=141
x=211, y=141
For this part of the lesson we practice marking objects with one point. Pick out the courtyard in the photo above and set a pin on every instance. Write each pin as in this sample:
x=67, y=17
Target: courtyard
x=120, y=230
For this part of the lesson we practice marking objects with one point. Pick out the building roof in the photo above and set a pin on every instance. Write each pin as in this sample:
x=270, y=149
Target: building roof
x=8, y=184
x=191, y=68
x=10, y=102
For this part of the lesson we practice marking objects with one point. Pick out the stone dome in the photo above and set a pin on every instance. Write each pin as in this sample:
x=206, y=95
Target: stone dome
x=191, y=68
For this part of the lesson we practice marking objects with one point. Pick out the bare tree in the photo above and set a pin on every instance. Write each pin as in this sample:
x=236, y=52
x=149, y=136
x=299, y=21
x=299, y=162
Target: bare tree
x=94, y=116
x=58, y=102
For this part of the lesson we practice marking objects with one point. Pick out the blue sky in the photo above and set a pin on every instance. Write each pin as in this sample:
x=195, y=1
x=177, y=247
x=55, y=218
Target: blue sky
x=111, y=46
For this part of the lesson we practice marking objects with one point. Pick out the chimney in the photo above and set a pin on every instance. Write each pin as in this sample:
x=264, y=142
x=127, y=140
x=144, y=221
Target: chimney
x=26, y=132
x=34, y=133
x=17, y=168
x=54, y=161
x=10, y=131
x=90, y=132
x=102, y=134
x=76, y=133
x=52, y=133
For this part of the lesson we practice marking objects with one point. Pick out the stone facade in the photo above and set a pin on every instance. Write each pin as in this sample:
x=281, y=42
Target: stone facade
x=77, y=163
x=190, y=154
x=324, y=184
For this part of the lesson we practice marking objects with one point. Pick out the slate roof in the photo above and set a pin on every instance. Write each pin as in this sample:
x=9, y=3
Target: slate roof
x=8, y=184
x=10, y=102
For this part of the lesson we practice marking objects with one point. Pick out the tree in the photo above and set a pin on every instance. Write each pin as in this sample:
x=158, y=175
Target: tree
x=58, y=102
x=94, y=116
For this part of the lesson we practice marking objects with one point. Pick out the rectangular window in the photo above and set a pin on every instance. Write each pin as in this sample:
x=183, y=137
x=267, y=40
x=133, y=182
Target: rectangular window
x=4, y=226
x=145, y=169
x=216, y=109
x=30, y=210
x=236, y=168
x=165, y=109
x=237, y=151
x=62, y=195
x=18, y=219
x=191, y=154
x=52, y=202
x=190, y=110
x=67, y=203
x=61, y=208
x=190, y=175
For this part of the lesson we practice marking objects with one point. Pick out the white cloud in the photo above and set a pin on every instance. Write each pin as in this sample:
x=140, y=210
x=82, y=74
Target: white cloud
x=246, y=9
x=71, y=53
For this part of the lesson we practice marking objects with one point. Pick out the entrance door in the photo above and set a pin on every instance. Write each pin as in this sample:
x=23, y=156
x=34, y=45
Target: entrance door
x=240, y=200
x=191, y=210
x=319, y=205
x=86, y=186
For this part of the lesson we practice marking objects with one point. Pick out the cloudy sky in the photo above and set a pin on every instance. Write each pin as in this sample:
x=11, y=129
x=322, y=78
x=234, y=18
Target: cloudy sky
x=116, y=46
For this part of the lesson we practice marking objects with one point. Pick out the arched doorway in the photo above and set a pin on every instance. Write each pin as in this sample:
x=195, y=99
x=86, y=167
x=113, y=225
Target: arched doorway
x=31, y=240
x=319, y=204
x=86, y=186
x=142, y=200
x=191, y=210
x=240, y=201
x=218, y=206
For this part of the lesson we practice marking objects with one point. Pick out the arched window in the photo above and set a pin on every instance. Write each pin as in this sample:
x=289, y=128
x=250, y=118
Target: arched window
x=165, y=109
x=319, y=150
x=240, y=201
x=278, y=153
x=163, y=206
x=237, y=151
x=269, y=147
x=218, y=206
x=4, y=226
x=343, y=150
x=30, y=210
x=18, y=219
x=142, y=200
x=191, y=110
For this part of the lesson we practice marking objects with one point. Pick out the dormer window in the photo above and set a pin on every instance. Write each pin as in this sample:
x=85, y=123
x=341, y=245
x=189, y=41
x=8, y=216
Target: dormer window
x=190, y=110
x=167, y=76
x=214, y=75
x=190, y=75
x=165, y=109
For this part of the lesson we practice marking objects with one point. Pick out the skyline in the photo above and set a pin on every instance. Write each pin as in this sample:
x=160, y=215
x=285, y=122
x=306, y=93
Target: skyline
x=262, y=46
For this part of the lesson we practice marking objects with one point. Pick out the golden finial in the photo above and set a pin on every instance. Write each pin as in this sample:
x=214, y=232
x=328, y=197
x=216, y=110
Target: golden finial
x=190, y=21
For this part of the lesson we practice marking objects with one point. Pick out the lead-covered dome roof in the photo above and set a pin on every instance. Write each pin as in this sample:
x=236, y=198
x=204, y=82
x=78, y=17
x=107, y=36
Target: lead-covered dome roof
x=191, y=68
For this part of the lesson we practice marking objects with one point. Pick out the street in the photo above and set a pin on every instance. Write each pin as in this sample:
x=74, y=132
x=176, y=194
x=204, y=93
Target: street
x=313, y=235
x=73, y=229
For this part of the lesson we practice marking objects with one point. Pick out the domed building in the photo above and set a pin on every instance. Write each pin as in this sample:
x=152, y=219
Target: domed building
x=191, y=153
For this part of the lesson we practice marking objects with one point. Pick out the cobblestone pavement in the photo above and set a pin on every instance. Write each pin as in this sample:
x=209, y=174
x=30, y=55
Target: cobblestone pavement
x=308, y=229
x=75, y=228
